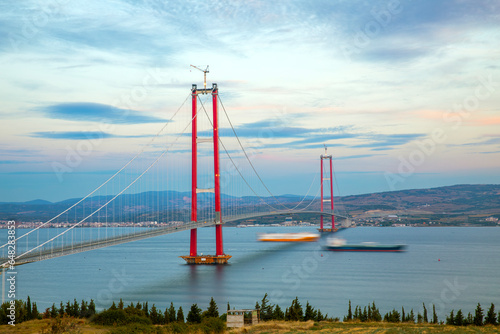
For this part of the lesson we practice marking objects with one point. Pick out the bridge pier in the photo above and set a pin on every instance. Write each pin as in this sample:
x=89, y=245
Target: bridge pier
x=219, y=257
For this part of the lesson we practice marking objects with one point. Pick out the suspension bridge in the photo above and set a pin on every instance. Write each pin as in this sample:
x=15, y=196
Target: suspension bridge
x=219, y=184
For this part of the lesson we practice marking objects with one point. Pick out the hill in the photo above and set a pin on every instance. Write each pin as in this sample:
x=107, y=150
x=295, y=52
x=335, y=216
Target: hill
x=450, y=201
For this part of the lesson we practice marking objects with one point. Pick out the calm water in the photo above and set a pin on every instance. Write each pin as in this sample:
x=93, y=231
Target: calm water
x=450, y=267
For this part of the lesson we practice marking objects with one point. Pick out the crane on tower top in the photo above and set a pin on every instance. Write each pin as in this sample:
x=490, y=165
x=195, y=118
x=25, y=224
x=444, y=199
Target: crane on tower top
x=205, y=71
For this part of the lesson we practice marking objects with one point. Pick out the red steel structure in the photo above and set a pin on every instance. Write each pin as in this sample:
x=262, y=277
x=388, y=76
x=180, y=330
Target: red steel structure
x=323, y=200
x=219, y=257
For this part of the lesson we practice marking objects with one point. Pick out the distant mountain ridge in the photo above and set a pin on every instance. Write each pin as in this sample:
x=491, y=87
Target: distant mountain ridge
x=457, y=199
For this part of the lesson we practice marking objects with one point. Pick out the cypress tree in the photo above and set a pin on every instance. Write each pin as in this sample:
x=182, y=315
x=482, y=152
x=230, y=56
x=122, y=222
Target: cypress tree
x=53, y=311
x=426, y=320
x=491, y=316
x=319, y=316
x=310, y=313
x=478, y=317
x=403, y=316
x=155, y=316
x=28, y=308
x=213, y=310
x=349, y=312
x=194, y=314
x=278, y=313
x=411, y=317
x=34, y=311
x=459, y=318
x=266, y=309
x=450, y=320
x=83, y=309
x=171, y=313
x=376, y=316
x=61, y=309
x=91, y=308
x=434, y=315
x=180, y=315
x=75, y=308
x=120, y=304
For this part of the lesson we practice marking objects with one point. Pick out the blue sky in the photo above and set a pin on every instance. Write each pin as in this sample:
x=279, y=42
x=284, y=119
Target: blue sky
x=404, y=93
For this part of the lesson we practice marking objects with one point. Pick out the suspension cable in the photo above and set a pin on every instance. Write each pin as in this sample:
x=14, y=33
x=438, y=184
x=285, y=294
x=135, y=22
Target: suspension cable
x=112, y=199
x=248, y=159
x=234, y=164
x=108, y=180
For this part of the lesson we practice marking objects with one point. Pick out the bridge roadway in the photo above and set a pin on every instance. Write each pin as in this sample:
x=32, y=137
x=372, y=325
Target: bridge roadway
x=45, y=254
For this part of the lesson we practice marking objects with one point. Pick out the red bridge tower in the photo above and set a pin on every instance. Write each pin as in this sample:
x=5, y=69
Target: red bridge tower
x=219, y=257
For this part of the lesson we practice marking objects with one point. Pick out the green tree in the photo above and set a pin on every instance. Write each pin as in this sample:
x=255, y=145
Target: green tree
x=278, y=313
x=75, y=308
x=155, y=316
x=411, y=317
x=491, y=316
x=266, y=309
x=364, y=316
x=34, y=311
x=295, y=310
x=113, y=307
x=180, y=315
x=375, y=313
x=392, y=316
x=194, y=314
x=91, y=311
x=459, y=318
x=478, y=317
x=426, y=320
x=319, y=316
x=403, y=315
x=349, y=312
x=213, y=310
x=53, y=311
x=450, y=320
x=171, y=313
x=434, y=315
x=310, y=313
x=28, y=308
x=61, y=309
x=120, y=304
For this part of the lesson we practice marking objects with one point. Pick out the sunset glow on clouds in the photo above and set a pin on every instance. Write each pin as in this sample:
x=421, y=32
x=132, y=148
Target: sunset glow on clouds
x=382, y=84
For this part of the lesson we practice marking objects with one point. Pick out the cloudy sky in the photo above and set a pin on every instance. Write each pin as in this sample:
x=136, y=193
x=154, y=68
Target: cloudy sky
x=404, y=93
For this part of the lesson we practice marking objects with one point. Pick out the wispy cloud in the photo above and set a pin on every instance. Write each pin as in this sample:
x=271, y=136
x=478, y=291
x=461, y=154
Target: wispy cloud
x=79, y=135
x=95, y=112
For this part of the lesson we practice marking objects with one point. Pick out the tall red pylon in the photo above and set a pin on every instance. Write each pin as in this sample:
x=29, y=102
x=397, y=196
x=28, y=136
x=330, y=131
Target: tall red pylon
x=323, y=200
x=219, y=257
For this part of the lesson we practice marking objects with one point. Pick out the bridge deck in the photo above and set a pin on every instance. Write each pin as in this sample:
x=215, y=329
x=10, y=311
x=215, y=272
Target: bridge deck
x=45, y=254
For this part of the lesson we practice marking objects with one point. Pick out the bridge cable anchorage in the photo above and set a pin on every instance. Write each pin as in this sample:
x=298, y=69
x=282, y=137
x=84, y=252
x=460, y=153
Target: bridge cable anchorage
x=246, y=155
x=236, y=167
x=108, y=180
x=108, y=202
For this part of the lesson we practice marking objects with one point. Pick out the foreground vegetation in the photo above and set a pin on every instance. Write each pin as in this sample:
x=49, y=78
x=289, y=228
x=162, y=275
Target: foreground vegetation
x=74, y=317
